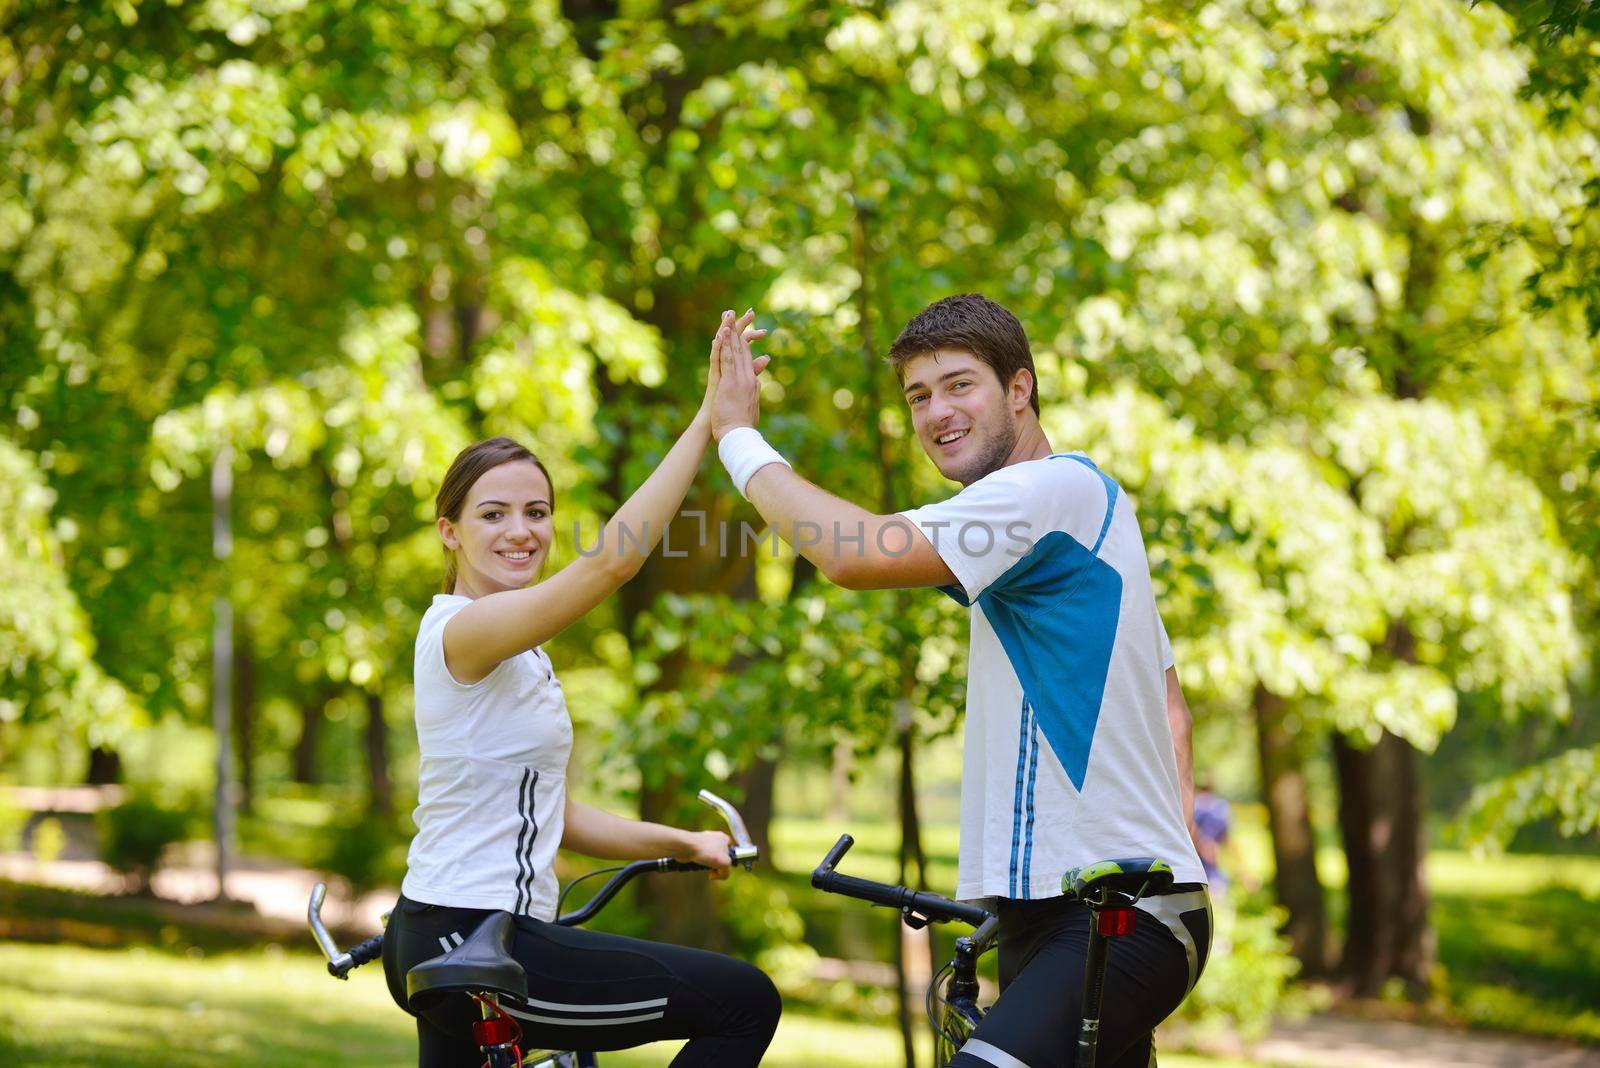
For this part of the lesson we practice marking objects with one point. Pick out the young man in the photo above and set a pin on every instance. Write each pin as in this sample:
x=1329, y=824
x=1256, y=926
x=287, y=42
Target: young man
x=1077, y=734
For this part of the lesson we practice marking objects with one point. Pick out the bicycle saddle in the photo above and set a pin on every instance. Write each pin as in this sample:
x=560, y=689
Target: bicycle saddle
x=1134, y=877
x=481, y=964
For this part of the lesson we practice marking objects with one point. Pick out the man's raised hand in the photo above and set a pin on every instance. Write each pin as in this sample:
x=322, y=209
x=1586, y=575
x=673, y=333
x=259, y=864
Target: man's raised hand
x=733, y=374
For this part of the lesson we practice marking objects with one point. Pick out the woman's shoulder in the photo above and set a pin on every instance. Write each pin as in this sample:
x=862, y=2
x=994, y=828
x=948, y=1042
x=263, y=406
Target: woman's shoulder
x=430, y=630
x=443, y=606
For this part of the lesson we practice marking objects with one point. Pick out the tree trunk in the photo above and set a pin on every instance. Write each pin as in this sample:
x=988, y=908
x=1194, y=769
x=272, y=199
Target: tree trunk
x=244, y=709
x=914, y=945
x=303, y=768
x=380, y=797
x=756, y=784
x=685, y=909
x=1387, y=934
x=758, y=781
x=1283, y=787
x=105, y=767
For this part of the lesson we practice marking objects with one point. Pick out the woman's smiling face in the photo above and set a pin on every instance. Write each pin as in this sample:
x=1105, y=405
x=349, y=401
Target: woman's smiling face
x=503, y=537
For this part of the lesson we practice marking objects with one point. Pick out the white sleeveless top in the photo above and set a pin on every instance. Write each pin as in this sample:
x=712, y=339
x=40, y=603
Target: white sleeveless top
x=492, y=790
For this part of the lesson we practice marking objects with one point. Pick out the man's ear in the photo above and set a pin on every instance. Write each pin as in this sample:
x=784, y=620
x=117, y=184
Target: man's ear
x=447, y=534
x=1021, y=390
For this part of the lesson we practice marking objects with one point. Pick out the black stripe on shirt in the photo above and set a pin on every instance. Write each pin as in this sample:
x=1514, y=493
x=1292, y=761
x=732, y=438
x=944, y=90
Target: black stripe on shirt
x=522, y=836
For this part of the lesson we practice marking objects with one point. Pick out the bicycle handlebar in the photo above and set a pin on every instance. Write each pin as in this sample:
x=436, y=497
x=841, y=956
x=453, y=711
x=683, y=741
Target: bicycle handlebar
x=339, y=964
x=743, y=852
x=915, y=904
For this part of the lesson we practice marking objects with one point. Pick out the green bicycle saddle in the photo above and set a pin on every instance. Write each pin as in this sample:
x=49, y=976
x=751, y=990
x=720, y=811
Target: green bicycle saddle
x=1134, y=876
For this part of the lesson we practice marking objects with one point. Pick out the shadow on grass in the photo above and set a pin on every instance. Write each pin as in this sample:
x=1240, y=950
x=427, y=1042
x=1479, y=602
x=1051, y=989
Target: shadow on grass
x=1524, y=962
x=49, y=914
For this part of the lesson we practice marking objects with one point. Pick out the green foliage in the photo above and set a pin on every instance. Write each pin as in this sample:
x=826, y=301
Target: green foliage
x=1315, y=286
x=764, y=923
x=1246, y=984
x=13, y=818
x=1565, y=788
x=136, y=833
x=47, y=650
x=365, y=853
x=48, y=841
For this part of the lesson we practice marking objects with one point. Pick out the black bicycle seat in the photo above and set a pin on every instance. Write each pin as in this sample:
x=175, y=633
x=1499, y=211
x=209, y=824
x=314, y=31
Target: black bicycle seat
x=1133, y=877
x=482, y=964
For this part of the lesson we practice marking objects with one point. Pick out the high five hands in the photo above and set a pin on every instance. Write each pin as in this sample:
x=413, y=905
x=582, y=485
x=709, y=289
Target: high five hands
x=732, y=393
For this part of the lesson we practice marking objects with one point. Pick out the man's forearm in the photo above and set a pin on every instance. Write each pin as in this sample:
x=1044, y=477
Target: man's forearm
x=820, y=526
x=851, y=546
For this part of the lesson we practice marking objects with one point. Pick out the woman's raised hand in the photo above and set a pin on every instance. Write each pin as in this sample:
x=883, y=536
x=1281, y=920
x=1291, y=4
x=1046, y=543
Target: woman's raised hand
x=732, y=392
x=731, y=343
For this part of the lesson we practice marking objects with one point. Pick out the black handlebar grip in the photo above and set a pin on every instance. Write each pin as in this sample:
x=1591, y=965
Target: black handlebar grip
x=367, y=951
x=683, y=865
x=836, y=854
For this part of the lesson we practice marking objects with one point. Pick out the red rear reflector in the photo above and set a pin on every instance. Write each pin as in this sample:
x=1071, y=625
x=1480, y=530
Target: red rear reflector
x=498, y=1031
x=1114, y=922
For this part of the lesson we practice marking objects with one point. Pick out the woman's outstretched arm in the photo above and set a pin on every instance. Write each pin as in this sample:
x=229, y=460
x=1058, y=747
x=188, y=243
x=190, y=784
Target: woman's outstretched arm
x=595, y=832
x=501, y=625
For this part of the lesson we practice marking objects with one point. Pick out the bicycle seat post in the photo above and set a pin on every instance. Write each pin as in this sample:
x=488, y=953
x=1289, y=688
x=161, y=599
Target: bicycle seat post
x=1110, y=918
x=1110, y=889
x=496, y=1034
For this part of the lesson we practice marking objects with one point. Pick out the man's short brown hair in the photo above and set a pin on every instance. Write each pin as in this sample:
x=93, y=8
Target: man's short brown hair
x=975, y=323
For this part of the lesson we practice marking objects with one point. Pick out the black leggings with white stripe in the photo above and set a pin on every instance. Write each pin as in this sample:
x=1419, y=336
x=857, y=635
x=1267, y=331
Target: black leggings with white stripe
x=1034, y=1023
x=592, y=991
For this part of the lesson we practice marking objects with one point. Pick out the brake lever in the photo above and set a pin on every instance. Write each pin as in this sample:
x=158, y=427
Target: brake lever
x=744, y=851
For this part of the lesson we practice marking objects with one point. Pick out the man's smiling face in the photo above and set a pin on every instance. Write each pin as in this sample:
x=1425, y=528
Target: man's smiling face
x=961, y=412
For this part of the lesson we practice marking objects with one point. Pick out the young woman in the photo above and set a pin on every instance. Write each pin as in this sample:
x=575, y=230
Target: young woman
x=493, y=805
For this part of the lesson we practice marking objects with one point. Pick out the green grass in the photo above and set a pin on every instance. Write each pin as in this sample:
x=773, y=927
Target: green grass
x=64, y=1006
x=1523, y=962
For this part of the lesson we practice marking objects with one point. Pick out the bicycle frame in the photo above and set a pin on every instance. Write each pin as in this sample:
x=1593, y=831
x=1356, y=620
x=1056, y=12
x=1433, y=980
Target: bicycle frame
x=961, y=1013
x=500, y=1041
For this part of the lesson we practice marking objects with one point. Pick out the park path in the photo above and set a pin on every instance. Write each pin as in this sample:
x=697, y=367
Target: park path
x=1332, y=1041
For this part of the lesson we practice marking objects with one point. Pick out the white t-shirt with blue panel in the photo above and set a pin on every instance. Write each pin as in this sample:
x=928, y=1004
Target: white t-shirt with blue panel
x=1068, y=753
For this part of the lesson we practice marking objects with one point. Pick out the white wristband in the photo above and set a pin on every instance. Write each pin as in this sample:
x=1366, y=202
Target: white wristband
x=743, y=452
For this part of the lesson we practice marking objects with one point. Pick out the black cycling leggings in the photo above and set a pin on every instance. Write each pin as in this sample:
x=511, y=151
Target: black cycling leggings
x=1034, y=1022
x=590, y=991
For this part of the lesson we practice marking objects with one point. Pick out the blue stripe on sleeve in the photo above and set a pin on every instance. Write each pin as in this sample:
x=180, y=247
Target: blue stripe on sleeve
x=1111, y=500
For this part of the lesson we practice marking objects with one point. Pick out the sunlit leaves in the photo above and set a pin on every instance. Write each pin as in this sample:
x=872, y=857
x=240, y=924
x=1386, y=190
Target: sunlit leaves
x=1565, y=788
x=47, y=662
x=1273, y=259
x=1289, y=561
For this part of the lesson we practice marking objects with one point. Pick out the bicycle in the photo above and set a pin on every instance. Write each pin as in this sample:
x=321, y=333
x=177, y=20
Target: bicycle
x=1109, y=888
x=482, y=968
